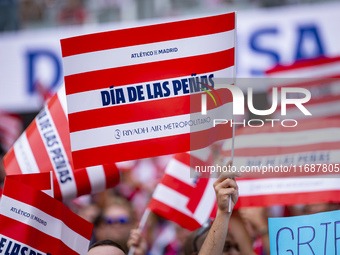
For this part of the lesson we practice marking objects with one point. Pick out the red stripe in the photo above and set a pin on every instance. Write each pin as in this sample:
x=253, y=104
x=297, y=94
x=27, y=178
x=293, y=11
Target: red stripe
x=60, y=121
x=183, y=158
x=190, y=160
x=147, y=34
x=150, y=148
x=112, y=175
x=303, y=64
x=147, y=110
x=197, y=194
x=40, y=181
x=82, y=181
x=292, y=171
x=172, y=214
x=307, y=83
x=290, y=199
x=177, y=185
x=40, y=154
x=10, y=163
x=136, y=74
x=38, y=147
x=33, y=237
x=47, y=204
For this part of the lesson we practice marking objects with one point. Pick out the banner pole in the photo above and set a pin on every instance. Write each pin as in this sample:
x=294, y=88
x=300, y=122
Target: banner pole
x=233, y=117
x=140, y=227
x=52, y=186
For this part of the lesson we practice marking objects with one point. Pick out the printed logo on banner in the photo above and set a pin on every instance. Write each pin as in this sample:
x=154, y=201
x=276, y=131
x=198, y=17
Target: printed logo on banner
x=204, y=97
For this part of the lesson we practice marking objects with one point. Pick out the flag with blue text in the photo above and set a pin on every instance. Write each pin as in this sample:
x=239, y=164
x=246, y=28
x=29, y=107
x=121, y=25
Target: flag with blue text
x=136, y=92
x=31, y=222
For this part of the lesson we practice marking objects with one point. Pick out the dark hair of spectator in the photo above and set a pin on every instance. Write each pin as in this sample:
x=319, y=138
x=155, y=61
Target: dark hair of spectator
x=107, y=242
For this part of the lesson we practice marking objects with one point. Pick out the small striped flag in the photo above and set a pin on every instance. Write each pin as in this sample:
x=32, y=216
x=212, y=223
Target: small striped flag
x=31, y=222
x=45, y=146
x=183, y=198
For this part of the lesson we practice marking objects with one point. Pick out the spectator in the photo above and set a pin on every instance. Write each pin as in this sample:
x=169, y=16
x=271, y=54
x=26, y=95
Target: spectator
x=256, y=220
x=72, y=13
x=9, y=19
x=106, y=247
x=116, y=221
x=216, y=240
x=195, y=241
x=31, y=13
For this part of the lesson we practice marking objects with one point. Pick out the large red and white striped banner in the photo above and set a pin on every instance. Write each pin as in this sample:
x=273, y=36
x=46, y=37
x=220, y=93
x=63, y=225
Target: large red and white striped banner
x=32, y=222
x=320, y=76
x=182, y=198
x=136, y=93
x=45, y=146
x=288, y=165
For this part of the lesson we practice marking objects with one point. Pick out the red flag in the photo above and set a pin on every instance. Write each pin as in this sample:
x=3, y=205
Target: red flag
x=183, y=198
x=274, y=155
x=320, y=77
x=45, y=146
x=35, y=223
x=141, y=94
x=41, y=181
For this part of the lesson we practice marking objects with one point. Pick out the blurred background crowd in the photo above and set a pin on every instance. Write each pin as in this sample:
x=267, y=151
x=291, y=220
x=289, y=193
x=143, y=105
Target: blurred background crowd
x=35, y=14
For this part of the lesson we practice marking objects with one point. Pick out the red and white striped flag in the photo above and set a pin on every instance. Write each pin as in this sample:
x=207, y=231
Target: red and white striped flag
x=136, y=93
x=45, y=146
x=321, y=77
x=288, y=165
x=183, y=198
x=32, y=222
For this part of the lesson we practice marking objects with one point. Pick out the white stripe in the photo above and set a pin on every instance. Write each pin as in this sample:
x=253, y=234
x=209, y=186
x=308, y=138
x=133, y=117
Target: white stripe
x=97, y=178
x=296, y=158
x=286, y=139
x=97, y=137
x=206, y=204
x=24, y=155
x=202, y=154
x=317, y=70
x=180, y=171
x=324, y=109
x=54, y=227
x=68, y=188
x=91, y=100
x=9, y=240
x=172, y=199
x=273, y=186
x=48, y=192
x=119, y=57
x=62, y=99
